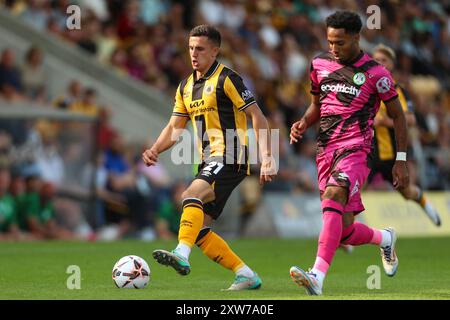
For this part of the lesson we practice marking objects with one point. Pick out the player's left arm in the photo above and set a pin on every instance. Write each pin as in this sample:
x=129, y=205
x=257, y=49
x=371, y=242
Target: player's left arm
x=262, y=132
x=388, y=122
x=407, y=106
x=244, y=101
x=399, y=171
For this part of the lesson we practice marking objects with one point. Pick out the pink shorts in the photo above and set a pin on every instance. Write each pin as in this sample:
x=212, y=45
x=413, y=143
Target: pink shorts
x=346, y=168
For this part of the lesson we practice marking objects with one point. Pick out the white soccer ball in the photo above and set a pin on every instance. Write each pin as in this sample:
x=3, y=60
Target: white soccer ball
x=131, y=272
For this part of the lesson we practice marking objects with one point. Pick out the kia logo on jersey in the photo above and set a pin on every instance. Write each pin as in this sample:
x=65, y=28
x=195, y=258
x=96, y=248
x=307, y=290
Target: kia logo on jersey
x=196, y=104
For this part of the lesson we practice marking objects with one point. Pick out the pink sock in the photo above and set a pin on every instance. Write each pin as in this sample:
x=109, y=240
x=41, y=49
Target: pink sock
x=358, y=234
x=330, y=235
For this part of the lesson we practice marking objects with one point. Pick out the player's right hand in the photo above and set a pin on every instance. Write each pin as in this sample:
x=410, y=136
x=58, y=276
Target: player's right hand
x=150, y=157
x=297, y=130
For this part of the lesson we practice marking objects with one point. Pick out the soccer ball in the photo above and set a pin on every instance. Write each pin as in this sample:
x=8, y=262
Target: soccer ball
x=131, y=272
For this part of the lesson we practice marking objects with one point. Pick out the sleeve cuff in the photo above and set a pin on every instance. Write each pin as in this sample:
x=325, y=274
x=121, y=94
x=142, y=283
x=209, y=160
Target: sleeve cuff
x=390, y=99
x=179, y=114
x=245, y=106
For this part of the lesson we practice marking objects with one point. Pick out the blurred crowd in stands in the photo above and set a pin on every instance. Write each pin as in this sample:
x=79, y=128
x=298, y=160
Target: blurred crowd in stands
x=269, y=42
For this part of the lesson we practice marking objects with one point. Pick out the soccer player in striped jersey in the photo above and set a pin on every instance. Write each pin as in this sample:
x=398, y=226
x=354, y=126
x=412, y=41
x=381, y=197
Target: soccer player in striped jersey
x=216, y=100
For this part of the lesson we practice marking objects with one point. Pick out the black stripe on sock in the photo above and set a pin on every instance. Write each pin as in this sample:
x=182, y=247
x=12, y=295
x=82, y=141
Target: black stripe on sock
x=203, y=232
x=191, y=205
x=332, y=209
x=193, y=201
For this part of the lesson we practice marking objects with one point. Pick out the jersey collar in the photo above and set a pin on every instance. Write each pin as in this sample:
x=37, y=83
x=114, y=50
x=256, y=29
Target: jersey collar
x=353, y=61
x=208, y=74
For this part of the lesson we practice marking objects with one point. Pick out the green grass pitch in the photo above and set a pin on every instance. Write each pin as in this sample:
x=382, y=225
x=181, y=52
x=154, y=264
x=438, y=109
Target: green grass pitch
x=38, y=271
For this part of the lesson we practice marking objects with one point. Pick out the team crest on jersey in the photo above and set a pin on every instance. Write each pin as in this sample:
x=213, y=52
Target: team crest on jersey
x=186, y=94
x=209, y=89
x=359, y=78
x=383, y=85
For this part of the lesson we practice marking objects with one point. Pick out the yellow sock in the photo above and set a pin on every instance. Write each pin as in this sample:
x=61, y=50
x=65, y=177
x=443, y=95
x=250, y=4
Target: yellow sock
x=421, y=197
x=215, y=248
x=422, y=201
x=191, y=221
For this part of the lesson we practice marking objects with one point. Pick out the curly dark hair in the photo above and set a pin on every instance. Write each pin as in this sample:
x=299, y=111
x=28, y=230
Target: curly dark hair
x=347, y=20
x=208, y=31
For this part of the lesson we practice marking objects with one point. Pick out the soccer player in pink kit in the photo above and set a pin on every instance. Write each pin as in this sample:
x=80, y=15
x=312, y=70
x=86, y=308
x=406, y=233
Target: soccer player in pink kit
x=347, y=87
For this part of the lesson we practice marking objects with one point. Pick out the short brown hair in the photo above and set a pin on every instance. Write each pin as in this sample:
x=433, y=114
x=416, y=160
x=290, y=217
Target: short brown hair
x=208, y=31
x=388, y=51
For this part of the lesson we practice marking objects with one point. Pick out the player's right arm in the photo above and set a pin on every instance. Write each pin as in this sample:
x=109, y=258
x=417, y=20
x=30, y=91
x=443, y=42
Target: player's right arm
x=311, y=116
x=171, y=132
x=166, y=139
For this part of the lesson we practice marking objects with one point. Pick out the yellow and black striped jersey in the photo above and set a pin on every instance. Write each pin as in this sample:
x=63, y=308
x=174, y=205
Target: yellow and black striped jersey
x=215, y=105
x=385, y=146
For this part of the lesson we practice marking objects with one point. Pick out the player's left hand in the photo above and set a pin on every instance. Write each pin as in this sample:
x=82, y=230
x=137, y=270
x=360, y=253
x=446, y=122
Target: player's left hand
x=268, y=170
x=400, y=175
x=297, y=130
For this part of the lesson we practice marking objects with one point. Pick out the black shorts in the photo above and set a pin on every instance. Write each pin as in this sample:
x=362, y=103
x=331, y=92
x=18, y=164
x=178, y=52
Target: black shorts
x=223, y=178
x=381, y=166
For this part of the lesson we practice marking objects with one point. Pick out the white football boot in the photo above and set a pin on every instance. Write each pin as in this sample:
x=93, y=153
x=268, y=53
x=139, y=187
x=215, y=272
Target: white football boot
x=388, y=255
x=306, y=279
x=432, y=214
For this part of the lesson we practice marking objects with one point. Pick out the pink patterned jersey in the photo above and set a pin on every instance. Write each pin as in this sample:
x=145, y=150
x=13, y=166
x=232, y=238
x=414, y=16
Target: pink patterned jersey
x=350, y=96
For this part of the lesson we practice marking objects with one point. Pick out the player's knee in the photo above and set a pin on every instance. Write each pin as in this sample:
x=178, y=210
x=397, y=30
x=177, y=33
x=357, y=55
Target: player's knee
x=407, y=193
x=404, y=194
x=337, y=194
x=204, y=194
x=186, y=194
x=348, y=219
x=207, y=220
